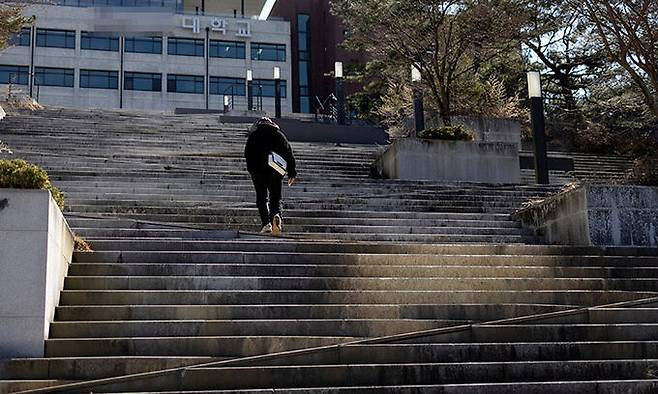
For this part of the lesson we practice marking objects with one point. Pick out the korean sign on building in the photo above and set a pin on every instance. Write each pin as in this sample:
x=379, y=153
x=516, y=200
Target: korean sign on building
x=240, y=28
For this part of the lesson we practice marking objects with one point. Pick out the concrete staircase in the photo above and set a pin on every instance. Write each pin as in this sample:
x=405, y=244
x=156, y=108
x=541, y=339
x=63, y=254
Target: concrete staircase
x=408, y=286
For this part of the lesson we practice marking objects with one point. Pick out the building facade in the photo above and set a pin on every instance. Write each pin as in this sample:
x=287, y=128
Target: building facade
x=316, y=38
x=157, y=56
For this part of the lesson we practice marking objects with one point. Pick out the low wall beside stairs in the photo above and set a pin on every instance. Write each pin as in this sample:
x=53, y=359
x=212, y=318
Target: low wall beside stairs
x=453, y=161
x=36, y=247
x=596, y=215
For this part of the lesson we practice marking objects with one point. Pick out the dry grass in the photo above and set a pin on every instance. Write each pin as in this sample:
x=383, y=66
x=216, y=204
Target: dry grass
x=80, y=245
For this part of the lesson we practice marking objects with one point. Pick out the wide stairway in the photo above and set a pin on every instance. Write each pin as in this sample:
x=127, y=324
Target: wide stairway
x=377, y=285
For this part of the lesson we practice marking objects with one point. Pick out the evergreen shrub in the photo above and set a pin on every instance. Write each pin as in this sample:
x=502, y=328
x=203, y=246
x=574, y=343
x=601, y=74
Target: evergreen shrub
x=457, y=132
x=19, y=174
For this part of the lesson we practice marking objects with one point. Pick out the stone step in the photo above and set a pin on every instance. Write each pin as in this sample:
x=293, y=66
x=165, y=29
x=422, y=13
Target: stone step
x=264, y=253
x=485, y=352
x=420, y=238
x=306, y=297
x=111, y=223
x=346, y=283
x=20, y=385
x=346, y=270
x=403, y=374
x=167, y=231
x=475, y=312
x=210, y=346
x=295, y=207
x=260, y=327
x=636, y=386
x=73, y=368
x=558, y=332
x=237, y=213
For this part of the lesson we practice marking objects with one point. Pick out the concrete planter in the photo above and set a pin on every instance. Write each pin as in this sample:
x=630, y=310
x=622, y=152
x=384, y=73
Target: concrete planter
x=36, y=246
x=485, y=129
x=597, y=215
x=455, y=161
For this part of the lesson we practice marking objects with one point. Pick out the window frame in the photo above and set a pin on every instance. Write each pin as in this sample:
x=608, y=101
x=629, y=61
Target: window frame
x=132, y=74
x=239, y=46
x=89, y=37
x=197, y=81
x=280, y=49
x=113, y=79
x=144, y=39
x=269, y=83
x=199, y=46
x=22, y=71
x=240, y=82
x=42, y=38
x=66, y=72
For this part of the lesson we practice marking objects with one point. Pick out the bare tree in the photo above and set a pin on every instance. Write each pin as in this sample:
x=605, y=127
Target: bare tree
x=561, y=39
x=447, y=40
x=628, y=31
x=12, y=18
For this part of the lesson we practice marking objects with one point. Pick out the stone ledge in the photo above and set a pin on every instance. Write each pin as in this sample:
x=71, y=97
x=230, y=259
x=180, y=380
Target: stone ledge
x=36, y=247
x=455, y=161
x=596, y=215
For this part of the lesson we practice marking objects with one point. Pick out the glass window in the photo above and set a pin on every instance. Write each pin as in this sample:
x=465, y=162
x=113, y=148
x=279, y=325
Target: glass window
x=304, y=63
x=99, y=41
x=265, y=88
x=22, y=39
x=185, y=47
x=15, y=75
x=144, y=45
x=49, y=76
x=305, y=104
x=56, y=38
x=98, y=79
x=272, y=52
x=184, y=83
x=147, y=82
x=228, y=86
x=227, y=49
x=120, y=3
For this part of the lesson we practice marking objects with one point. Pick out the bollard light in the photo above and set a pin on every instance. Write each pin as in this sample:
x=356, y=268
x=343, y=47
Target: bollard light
x=277, y=92
x=250, y=90
x=338, y=69
x=534, y=84
x=538, y=128
x=419, y=110
x=416, y=76
x=340, y=93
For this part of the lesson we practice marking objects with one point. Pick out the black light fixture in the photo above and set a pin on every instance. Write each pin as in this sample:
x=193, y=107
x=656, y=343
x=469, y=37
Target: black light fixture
x=340, y=93
x=538, y=127
x=250, y=90
x=419, y=110
x=277, y=92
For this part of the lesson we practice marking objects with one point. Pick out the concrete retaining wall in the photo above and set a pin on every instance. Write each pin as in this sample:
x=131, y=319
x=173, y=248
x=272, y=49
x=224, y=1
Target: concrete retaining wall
x=485, y=129
x=458, y=161
x=597, y=215
x=36, y=246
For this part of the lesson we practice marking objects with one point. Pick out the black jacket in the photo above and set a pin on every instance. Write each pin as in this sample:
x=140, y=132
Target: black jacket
x=261, y=142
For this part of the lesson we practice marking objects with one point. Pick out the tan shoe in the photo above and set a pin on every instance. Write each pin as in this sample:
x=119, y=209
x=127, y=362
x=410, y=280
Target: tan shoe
x=277, y=224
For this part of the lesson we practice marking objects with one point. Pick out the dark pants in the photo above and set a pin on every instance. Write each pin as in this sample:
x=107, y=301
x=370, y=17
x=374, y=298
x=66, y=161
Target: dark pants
x=267, y=182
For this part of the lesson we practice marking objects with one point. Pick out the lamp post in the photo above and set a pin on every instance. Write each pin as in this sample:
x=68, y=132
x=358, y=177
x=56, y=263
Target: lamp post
x=277, y=92
x=340, y=93
x=250, y=91
x=419, y=110
x=538, y=127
